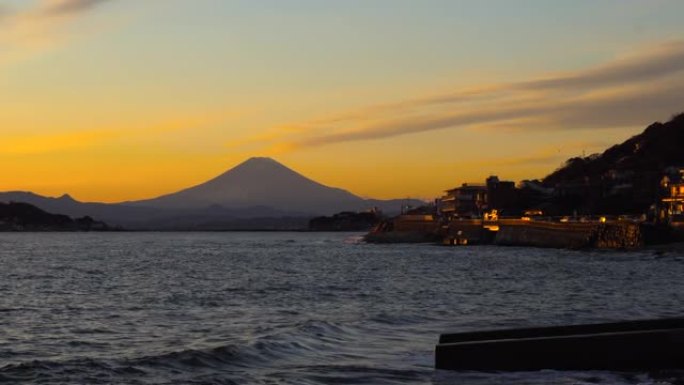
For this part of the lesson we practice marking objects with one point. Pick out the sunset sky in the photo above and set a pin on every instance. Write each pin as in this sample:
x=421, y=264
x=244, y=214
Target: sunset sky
x=112, y=100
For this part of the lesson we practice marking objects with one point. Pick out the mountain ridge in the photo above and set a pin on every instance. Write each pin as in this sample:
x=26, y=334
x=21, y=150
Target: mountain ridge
x=256, y=188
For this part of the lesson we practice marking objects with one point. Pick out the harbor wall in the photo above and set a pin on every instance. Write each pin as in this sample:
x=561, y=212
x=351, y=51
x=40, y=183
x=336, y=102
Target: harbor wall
x=471, y=230
x=406, y=229
x=401, y=237
x=620, y=235
x=614, y=235
x=544, y=234
x=512, y=232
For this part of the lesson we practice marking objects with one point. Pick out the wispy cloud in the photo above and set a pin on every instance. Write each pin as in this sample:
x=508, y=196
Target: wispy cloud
x=26, y=31
x=658, y=62
x=628, y=91
x=67, y=7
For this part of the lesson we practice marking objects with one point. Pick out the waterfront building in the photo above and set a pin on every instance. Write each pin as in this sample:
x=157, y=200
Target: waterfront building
x=469, y=200
x=672, y=204
x=501, y=195
x=472, y=200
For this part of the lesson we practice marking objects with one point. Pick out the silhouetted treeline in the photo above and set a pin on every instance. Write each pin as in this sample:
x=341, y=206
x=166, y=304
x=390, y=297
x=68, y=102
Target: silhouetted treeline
x=16, y=216
x=345, y=221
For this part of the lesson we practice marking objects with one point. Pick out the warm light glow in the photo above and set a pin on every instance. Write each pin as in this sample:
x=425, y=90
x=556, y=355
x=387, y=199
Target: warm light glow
x=114, y=100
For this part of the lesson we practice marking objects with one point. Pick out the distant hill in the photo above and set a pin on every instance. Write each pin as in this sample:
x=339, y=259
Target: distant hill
x=625, y=177
x=16, y=216
x=114, y=214
x=660, y=146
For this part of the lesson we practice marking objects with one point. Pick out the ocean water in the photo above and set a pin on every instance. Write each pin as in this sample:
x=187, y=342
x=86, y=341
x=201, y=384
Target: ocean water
x=299, y=308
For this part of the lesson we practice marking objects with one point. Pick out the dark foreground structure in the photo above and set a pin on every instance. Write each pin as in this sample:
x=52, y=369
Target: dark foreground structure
x=624, y=346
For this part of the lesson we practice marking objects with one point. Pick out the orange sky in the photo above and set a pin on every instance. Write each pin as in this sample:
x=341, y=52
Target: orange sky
x=116, y=100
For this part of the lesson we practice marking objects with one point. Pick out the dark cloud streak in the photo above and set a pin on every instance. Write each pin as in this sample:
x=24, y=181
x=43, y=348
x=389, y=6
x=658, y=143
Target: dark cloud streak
x=69, y=7
x=667, y=59
x=616, y=110
x=662, y=60
x=655, y=63
x=625, y=92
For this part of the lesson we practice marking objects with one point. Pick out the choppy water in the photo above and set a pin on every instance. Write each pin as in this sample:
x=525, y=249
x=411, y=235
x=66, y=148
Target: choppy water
x=298, y=308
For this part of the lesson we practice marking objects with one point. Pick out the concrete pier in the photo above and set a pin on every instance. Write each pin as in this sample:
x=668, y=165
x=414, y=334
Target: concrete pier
x=635, y=345
x=512, y=232
x=612, y=235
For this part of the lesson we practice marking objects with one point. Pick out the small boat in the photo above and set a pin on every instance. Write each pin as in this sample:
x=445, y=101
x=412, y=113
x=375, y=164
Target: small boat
x=623, y=346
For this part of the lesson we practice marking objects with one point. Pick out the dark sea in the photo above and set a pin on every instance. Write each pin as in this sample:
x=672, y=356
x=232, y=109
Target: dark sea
x=299, y=308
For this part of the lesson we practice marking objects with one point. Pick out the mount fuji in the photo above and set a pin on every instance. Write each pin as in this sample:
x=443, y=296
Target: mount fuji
x=259, y=188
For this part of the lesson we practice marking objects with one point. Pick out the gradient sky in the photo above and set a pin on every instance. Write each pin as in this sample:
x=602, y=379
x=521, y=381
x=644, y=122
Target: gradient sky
x=112, y=100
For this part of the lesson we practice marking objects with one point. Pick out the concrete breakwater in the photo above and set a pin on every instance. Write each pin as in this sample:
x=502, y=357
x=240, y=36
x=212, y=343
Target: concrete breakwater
x=407, y=229
x=512, y=232
x=613, y=235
